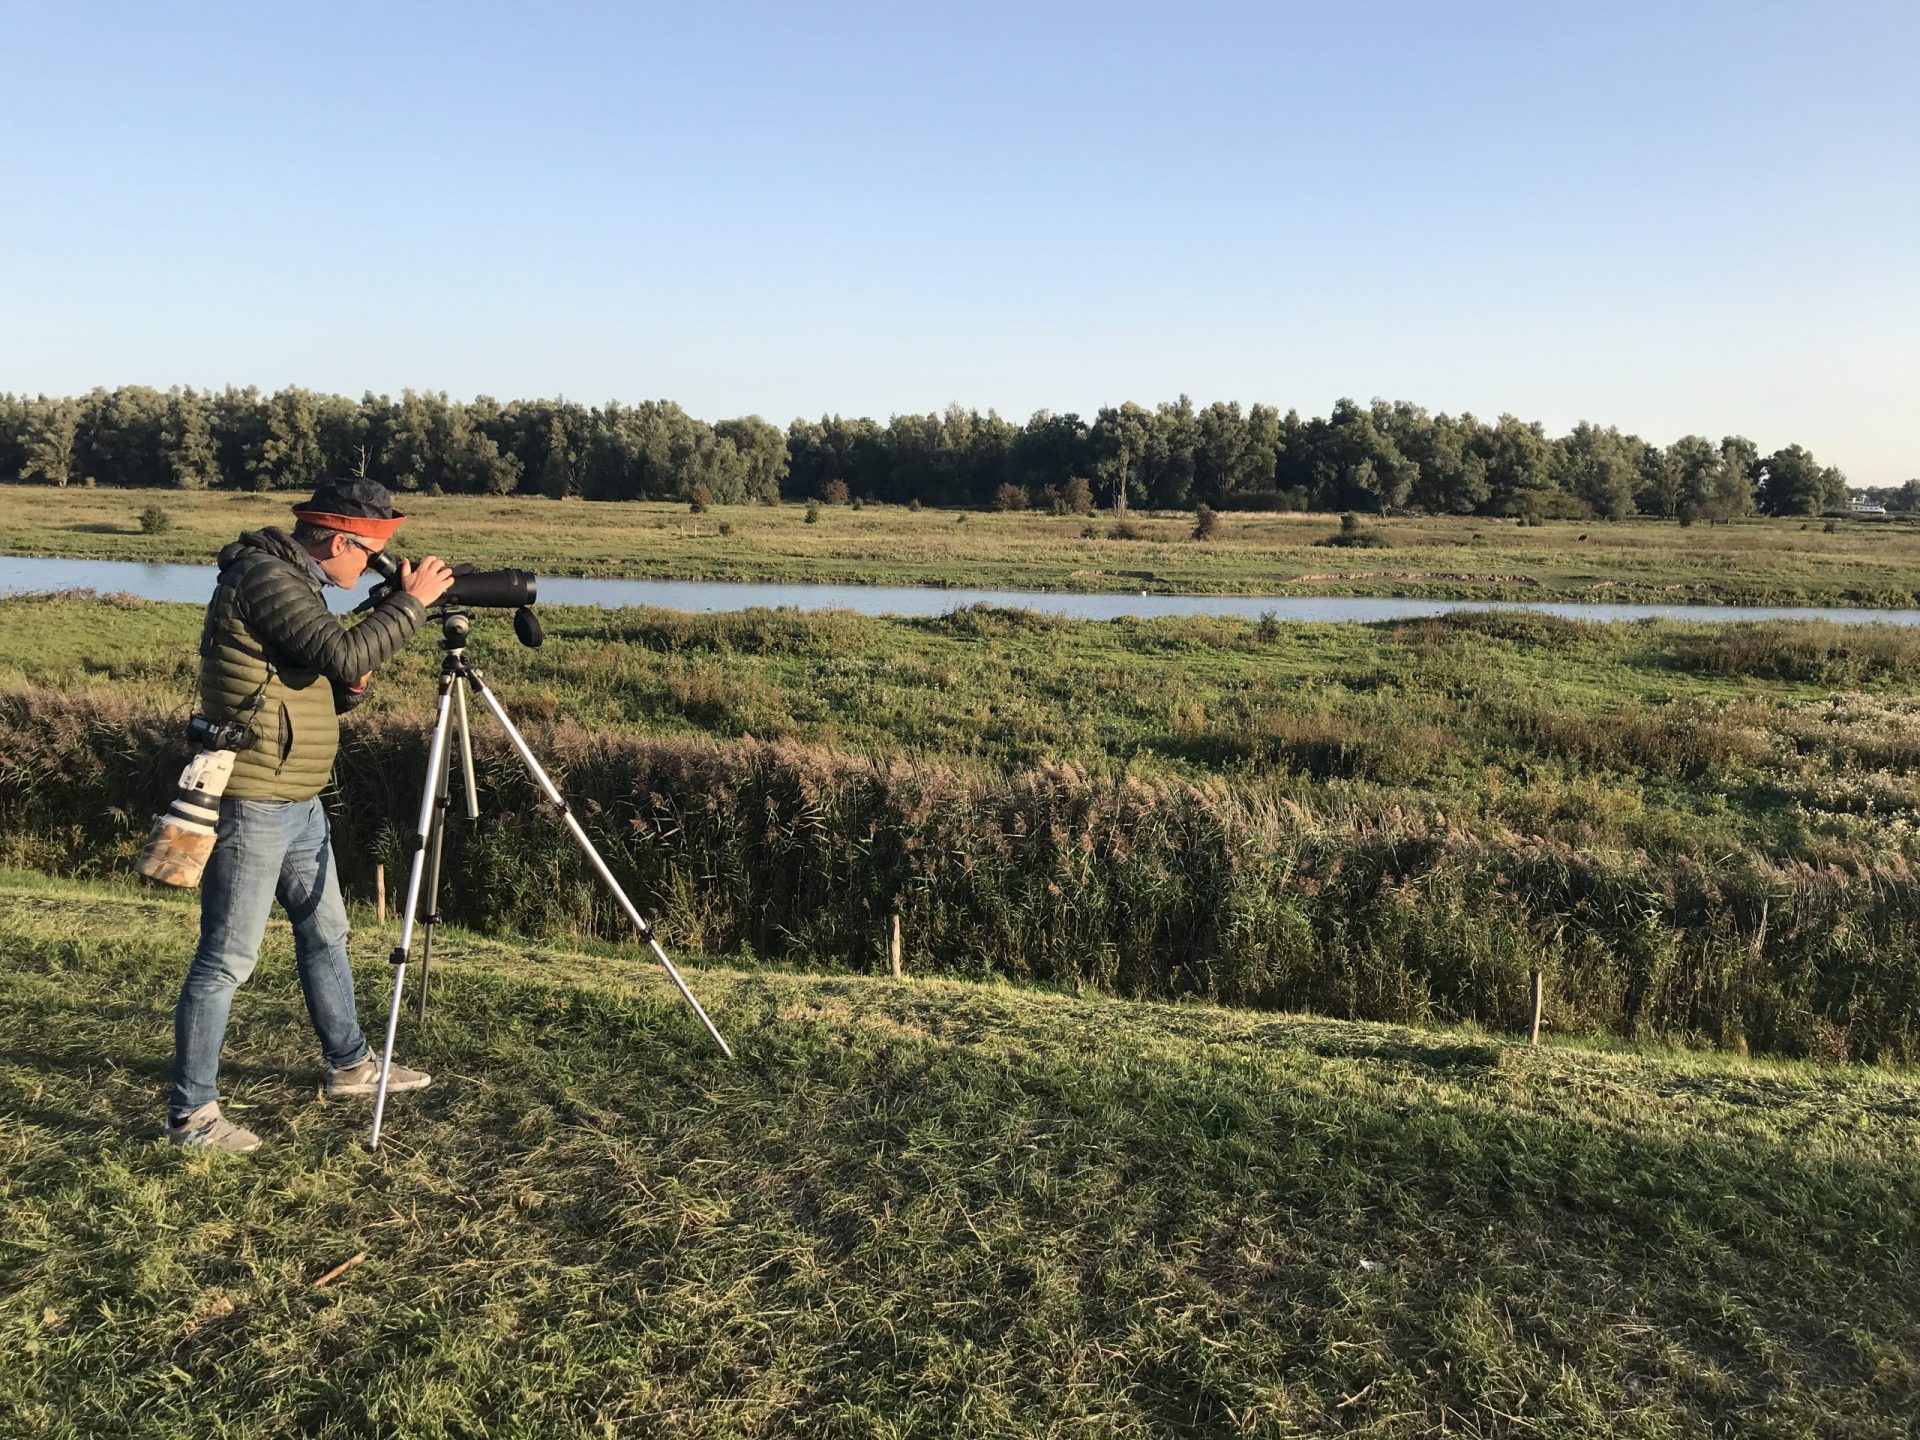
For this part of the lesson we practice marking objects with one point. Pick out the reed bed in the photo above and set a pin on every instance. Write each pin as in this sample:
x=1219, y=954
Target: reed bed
x=1140, y=886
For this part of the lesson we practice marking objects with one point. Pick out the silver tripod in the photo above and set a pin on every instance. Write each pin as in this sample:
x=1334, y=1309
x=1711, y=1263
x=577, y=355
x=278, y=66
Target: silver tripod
x=457, y=677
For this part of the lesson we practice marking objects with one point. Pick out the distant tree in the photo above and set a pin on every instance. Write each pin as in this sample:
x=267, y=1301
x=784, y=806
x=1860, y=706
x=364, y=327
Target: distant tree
x=341, y=427
x=1899, y=499
x=1519, y=468
x=473, y=463
x=1206, y=523
x=1117, y=447
x=117, y=440
x=1221, y=464
x=50, y=442
x=1695, y=463
x=239, y=432
x=186, y=442
x=762, y=449
x=287, y=456
x=1597, y=467
x=1436, y=449
x=16, y=417
x=1077, y=495
x=1173, y=446
x=836, y=492
x=1791, y=482
x=1010, y=497
x=1048, y=451
x=1729, y=492
x=1659, y=491
x=564, y=434
x=417, y=444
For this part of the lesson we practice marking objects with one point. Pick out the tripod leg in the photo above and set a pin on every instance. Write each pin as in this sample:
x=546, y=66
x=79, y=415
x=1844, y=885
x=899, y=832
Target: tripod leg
x=566, y=814
x=436, y=765
x=442, y=802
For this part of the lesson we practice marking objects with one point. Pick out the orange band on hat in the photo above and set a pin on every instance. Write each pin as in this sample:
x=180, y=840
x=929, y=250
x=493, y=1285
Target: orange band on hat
x=370, y=526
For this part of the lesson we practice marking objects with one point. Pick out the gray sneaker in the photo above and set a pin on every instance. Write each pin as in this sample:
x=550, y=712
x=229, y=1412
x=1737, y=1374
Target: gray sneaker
x=206, y=1129
x=364, y=1079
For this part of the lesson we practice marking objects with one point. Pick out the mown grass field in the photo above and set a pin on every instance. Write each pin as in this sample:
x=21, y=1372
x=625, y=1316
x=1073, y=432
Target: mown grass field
x=920, y=1209
x=1756, y=561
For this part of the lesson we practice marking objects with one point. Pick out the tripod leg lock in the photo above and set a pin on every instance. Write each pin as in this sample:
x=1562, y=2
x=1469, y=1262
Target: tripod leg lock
x=399, y=956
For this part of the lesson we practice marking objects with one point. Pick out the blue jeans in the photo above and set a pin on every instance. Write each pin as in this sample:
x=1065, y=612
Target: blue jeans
x=264, y=850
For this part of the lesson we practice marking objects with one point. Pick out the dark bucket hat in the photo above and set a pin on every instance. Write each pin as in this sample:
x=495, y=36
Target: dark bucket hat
x=356, y=506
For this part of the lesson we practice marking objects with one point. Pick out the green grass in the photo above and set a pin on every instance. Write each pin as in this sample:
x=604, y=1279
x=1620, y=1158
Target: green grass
x=1758, y=561
x=920, y=1209
x=1794, y=739
x=1700, y=833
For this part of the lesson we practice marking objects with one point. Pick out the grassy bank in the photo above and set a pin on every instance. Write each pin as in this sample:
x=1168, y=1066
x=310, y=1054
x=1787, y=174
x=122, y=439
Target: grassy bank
x=1686, y=828
x=921, y=1209
x=1757, y=562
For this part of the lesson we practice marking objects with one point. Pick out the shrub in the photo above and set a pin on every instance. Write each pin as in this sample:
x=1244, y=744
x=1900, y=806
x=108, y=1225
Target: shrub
x=1357, y=540
x=1010, y=497
x=155, y=521
x=700, y=499
x=913, y=505
x=1123, y=529
x=1089, y=531
x=836, y=492
x=1206, y=522
x=813, y=512
x=726, y=527
x=1349, y=524
x=1079, y=495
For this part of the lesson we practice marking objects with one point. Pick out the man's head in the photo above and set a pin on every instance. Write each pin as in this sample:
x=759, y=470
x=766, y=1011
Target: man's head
x=344, y=525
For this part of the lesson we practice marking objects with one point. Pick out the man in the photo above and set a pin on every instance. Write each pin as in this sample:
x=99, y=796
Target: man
x=274, y=658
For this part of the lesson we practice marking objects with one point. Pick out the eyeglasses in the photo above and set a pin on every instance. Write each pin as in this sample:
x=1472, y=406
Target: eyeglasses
x=366, y=550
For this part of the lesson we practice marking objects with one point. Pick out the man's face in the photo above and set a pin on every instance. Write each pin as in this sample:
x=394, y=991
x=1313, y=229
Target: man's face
x=348, y=563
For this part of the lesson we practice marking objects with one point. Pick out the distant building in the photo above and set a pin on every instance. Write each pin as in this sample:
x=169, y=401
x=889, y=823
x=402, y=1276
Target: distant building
x=1867, y=507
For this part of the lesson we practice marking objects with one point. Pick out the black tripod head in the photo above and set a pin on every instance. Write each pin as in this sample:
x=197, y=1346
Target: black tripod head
x=456, y=623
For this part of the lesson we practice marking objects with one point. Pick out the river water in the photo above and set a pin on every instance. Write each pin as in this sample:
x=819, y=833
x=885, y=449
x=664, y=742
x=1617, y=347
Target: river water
x=193, y=583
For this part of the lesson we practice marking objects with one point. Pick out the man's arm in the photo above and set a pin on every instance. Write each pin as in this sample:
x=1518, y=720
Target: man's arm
x=346, y=696
x=290, y=619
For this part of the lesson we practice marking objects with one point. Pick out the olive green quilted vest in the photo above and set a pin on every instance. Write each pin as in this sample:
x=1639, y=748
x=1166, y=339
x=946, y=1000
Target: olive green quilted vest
x=295, y=732
x=271, y=655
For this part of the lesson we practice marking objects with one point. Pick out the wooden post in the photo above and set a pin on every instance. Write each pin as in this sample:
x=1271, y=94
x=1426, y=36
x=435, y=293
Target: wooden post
x=1539, y=994
x=893, y=944
x=380, y=893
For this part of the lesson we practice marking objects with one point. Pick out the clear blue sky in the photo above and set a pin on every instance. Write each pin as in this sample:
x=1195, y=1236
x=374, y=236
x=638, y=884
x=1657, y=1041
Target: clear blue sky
x=1672, y=217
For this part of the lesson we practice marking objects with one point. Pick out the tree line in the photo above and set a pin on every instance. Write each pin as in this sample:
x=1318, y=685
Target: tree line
x=1384, y=457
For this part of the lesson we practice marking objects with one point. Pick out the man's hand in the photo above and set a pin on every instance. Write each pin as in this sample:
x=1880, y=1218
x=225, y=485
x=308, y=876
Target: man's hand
x=426, y=579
